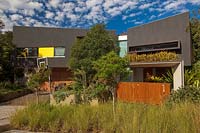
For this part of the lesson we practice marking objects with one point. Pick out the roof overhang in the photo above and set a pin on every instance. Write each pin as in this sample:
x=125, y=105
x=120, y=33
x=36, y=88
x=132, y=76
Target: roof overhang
x=154, y=64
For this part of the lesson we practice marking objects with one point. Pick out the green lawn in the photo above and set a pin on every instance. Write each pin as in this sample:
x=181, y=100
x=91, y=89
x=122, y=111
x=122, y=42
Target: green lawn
x=129, y=118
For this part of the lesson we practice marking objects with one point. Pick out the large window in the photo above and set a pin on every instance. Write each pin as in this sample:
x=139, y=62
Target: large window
x=59, y=51
x=156, y=47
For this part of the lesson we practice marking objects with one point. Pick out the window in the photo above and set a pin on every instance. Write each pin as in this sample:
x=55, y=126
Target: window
x=32, y=52
x=59, y=51
x=123, y=48
x=46, y=52
x=156, y=47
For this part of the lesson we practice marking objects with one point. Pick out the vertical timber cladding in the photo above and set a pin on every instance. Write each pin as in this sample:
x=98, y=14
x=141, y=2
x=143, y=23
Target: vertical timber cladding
x=153, y=93
x=60, y=74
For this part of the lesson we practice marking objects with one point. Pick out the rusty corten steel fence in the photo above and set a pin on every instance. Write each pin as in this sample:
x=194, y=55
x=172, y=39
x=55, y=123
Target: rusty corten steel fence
x=143, y=92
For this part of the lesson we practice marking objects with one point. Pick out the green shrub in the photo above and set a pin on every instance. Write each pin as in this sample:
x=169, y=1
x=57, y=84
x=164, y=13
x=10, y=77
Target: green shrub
x=183, y=117
x=155, y=79
x=185, y=94
x=159, y=56
x=7, y=87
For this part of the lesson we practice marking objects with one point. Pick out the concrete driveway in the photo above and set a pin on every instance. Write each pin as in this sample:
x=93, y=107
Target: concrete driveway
x=5, y=112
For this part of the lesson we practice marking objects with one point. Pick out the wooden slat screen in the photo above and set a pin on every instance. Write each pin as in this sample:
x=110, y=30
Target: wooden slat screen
x=143, y=92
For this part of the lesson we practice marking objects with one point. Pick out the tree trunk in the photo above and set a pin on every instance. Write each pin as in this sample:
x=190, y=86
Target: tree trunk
x=37, y=96
x=113, y=103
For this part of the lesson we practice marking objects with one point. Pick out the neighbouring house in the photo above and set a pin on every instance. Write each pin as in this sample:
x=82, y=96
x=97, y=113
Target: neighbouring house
x=46, y=46
x=153, y=48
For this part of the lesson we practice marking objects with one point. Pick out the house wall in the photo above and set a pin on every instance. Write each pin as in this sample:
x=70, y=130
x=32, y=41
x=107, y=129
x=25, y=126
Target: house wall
x=47, y=37
x=27, y=37
x=165, y=30
x=138, y=74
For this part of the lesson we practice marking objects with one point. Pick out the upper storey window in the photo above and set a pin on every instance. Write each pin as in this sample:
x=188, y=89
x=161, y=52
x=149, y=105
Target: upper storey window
x=51, y=52
x=156, y=47
x=59, y=51
x=27, y=52
x=46, y=52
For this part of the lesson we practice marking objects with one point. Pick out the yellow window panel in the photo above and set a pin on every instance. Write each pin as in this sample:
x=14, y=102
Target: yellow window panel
x=46, y=52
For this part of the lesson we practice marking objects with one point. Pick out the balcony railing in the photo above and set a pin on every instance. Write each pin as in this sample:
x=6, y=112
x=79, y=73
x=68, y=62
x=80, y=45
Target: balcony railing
x=162, y=56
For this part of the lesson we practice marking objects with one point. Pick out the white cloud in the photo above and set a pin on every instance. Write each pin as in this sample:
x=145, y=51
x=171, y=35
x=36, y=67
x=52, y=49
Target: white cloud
x=15, y=5
x=138, y=22
x=54, y=3
x=152, y=17
x=177, y=4
x=84, y=13
x=49, y=14
x=15, y=17
x=145, y=6
x=92, y=3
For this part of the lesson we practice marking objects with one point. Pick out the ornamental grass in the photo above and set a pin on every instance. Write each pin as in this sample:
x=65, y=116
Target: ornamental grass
x=129, y=118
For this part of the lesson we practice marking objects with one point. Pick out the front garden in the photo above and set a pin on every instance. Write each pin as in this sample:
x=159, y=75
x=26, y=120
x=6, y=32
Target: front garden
x=128, y=118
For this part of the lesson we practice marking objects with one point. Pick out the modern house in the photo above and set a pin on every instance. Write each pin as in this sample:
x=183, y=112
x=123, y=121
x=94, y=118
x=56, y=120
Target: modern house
x=52, y=47
x=169, y=35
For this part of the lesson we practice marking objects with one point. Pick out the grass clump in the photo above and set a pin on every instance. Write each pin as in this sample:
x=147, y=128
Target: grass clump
x=182, y=117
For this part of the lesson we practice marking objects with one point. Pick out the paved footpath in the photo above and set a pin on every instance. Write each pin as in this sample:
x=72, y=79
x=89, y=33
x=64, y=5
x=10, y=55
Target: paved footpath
x=5, y=112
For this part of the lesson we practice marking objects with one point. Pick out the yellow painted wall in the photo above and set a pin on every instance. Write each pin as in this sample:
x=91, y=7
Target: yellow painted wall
x=46, y=52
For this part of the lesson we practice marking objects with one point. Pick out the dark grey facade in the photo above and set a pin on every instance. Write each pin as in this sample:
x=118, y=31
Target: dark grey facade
x=25, y=37
x=167, y=31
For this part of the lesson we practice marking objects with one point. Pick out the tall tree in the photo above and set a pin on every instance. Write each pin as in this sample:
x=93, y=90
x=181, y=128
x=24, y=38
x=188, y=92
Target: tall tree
x=96, y=43
x=195, y=33
x=6, y=51
x=1, y=24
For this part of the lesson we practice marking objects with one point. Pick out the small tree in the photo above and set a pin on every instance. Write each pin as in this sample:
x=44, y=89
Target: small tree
x=37, y=79
x=110, y=69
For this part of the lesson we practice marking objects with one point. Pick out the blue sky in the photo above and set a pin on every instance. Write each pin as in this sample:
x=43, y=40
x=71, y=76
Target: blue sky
x=116, y=14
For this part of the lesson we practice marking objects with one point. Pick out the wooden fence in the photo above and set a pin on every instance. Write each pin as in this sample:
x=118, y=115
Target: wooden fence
x=143, y=92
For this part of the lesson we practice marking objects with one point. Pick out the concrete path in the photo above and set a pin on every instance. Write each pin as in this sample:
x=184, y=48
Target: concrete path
x=9, y=108
x=5, y=112
x=22, y=131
